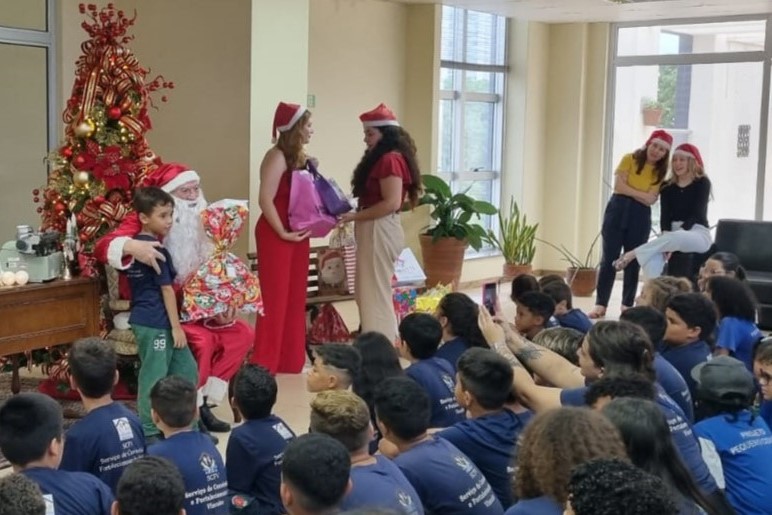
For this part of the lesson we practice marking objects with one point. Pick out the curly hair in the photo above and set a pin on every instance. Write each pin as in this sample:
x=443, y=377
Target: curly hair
x=660, y=289
x=394, y=138
x=291, y=143
x=462, y=312
x=555, y=442
x=660, y=167
x=20, y=495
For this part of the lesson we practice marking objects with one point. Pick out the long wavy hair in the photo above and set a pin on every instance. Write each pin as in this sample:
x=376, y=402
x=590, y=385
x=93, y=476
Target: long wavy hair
x=393, y=139
x=379, y=361
x=291, y=144
x=660, y=167
x=462, y=313
x=555, y=442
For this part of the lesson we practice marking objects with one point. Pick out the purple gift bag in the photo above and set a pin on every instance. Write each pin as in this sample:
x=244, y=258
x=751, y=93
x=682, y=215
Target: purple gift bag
x=334, y=200
x=306, y=209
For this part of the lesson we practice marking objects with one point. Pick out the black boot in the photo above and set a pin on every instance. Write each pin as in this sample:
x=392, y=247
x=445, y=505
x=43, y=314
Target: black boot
x=211, y=422
x=204, y=431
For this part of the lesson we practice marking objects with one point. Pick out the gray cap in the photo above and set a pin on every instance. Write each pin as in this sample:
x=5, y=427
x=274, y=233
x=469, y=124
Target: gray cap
x=723, y=378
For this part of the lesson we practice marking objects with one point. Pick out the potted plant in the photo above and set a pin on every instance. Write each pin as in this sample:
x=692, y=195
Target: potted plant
x=582, y=274
x=652, y=111
x=517, y=241
x=443, y=244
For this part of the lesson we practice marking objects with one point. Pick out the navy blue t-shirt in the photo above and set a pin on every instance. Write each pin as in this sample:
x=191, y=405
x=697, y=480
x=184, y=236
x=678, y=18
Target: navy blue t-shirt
x=766, y=412
x=147, y=303
x=383, y=485
x=437, y=378
x=202, y=469
x=744, y=444
x=544, y=505
x=673, y=382
x=451, y=350
x=253, y=461
x=738, y=336
x=575, y=319
x=489, y=441
x=685, y=357
x=103, y=443
x=446, y=480
x=72, y=493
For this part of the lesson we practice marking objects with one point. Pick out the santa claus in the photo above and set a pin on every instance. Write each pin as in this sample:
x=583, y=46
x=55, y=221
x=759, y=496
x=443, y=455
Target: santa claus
x=218, y=344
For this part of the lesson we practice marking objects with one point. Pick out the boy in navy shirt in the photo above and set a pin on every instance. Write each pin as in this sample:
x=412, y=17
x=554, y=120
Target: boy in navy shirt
x=488, y=437
x=447, y=481
x=314, y=475
x=173, y=401
x=729, y=431
x=154, y=319
x=31, y=439
x=255, y=449
x=150, y=486
x=420, y=335
x=691, y=319
x=565, y=313
x=335, y=367
x=109, y=437
x=654, y=324
x=534, y=310
x=376, y=480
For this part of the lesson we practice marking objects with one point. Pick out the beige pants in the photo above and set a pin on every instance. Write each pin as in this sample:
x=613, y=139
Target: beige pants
x=379, y=243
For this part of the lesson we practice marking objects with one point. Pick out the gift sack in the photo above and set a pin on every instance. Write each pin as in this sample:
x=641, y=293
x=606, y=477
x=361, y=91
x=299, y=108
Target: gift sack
x=306, y=210
x=333, y=198
x=331, y=272
x=342, y=237
x=328, y=327
x=224, y=280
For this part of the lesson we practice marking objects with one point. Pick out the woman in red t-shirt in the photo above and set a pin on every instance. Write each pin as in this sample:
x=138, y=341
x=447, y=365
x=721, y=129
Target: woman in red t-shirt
x=282, y=255
x=387, y=174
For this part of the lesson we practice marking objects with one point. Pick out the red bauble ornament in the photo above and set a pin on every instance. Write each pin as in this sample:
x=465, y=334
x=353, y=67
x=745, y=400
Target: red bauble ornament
x=114, y=113
x=99, y=200
x=59, y=207
x=36, y=192
x=79, y=160
x=66, y=152
x=83, y=237
x=35, y=199
x=39, y=210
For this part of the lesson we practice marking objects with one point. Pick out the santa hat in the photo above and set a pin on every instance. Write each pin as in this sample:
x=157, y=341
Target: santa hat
x=689, y=150
x=285, y=117
x=170, y=176
x=379, y=117
x=661, y=137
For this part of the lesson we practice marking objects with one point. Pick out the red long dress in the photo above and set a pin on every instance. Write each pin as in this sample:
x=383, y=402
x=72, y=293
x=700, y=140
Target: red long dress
x=282, y=266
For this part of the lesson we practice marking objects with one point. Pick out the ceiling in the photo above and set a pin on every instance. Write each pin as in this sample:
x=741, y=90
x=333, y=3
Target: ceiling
x=557, y=11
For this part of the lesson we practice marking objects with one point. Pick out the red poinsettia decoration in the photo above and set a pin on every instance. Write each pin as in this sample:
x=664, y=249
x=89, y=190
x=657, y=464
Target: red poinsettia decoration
x=113, y=168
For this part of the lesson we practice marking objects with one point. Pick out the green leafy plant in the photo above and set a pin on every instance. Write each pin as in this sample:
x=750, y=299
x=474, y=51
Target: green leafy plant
x=572, y=259
x=650, y=103
x=452, y=213
x=517, y=242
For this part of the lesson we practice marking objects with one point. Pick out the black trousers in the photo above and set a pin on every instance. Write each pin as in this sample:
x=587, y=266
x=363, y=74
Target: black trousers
x=626, y=224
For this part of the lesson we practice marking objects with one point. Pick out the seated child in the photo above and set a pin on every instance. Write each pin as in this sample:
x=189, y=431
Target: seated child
x=562, y=341
x=522, y=284
x=20, y=496
x=150, y=486
x=446, y=480
x=154, y=319
x=173, y=401
x=736, y=307
x=336, y=366
x=608, y=388
x=534, y=310
x=546, y=279
x=458, y=315
x=742, y=441
x=31, y=439
x=255, y=449
x=489, y=435
x=565, y=313
x=109, y=437
x=420, y=336
x=691, y=320
x=314, y=475
x=376, y=480
x=762, y=369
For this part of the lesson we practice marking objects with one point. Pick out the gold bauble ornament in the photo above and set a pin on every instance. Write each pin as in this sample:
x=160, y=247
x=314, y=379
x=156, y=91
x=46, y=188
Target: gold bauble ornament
x=85, y=128
x=81, y=178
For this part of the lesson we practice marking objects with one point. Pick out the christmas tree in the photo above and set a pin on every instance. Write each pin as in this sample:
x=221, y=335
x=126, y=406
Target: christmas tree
x=105, y=153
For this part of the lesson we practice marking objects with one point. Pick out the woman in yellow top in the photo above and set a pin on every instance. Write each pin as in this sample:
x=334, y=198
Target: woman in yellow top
x=627, y=220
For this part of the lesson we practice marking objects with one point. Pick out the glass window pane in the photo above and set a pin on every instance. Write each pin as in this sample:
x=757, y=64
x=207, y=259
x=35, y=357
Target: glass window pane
x=452, y=37
x=480, y=82
x=735, y=36
x=23, y=136
x=713, y=106
x=23, y=14
x=478, y=136
x=446, y=79
x=484, y=38
x=445, y=158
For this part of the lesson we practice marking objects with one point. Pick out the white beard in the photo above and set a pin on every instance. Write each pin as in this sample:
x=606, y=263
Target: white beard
x=187, y=243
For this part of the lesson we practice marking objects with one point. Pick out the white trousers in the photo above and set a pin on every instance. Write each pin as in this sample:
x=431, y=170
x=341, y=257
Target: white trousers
x=651, y=255
x=379, y=244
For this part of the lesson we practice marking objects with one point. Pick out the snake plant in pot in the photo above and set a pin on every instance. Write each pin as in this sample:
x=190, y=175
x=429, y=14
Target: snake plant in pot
x=516, y=241
x=452, y=230
x=582, y=274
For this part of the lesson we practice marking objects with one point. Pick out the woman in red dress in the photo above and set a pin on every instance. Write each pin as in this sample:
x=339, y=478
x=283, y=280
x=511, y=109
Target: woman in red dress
x=282, y=254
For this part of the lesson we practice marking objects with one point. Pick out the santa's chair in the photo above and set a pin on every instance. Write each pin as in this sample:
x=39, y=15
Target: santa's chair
x=120, y=334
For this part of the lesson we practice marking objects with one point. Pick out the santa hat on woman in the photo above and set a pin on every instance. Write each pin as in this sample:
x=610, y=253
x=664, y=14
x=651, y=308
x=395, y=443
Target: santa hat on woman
x=381, y=116
x=689, y=150
x=170, y=176
x=661, y=137
x=285, y=118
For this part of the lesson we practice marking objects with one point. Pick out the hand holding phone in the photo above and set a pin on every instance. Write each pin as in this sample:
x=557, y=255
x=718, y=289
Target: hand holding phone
x=490, y=297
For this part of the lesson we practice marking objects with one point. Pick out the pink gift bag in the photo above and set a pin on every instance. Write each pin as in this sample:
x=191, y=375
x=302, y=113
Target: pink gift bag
x=306, y=210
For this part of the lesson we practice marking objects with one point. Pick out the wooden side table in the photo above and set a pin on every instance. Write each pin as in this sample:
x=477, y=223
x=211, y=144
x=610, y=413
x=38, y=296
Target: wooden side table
x=35, y=316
